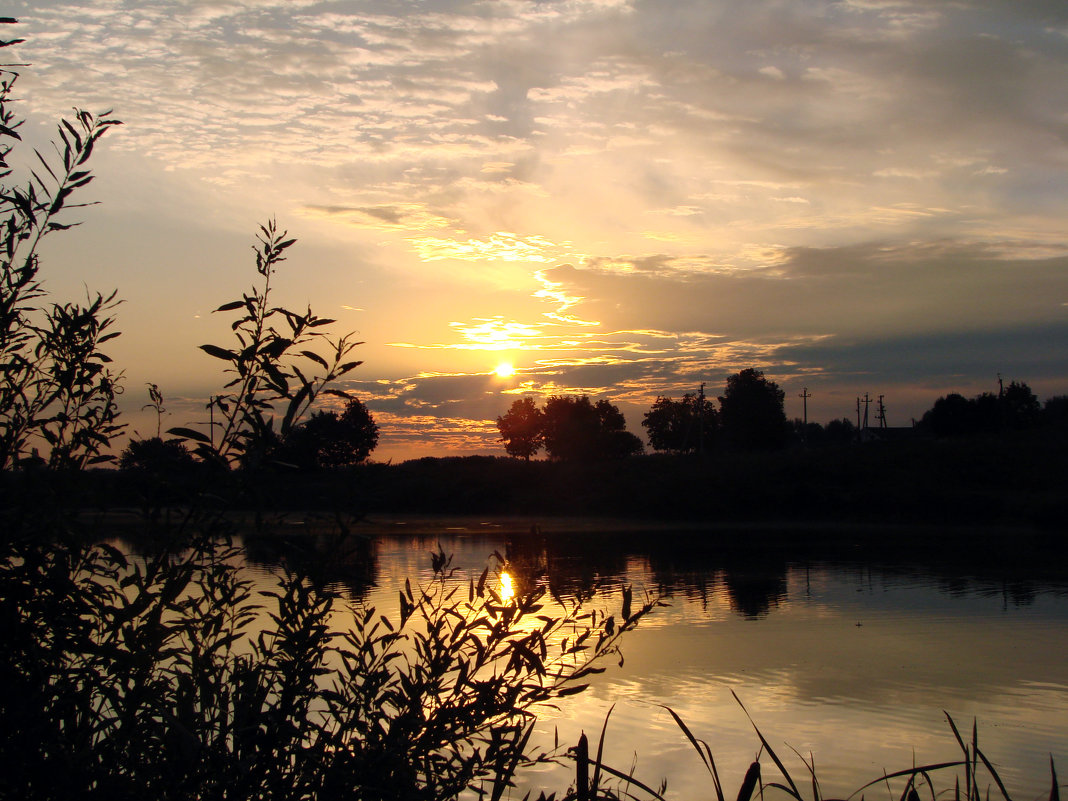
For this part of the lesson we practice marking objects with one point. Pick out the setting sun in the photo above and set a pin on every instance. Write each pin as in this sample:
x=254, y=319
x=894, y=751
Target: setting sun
x=504, y=370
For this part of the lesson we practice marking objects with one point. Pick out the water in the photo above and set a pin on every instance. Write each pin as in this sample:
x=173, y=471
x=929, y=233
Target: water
x=847, y=659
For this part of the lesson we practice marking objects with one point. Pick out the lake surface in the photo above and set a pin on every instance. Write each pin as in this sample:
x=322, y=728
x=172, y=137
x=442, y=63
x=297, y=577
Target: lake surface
x=846, y=656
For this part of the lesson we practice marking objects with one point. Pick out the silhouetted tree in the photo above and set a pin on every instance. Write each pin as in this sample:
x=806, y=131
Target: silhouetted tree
x=1021, y=407
x=951, y=416
x=575, y=428
x=808, y=433
x=522, y=428
x=681, y=426
x=751, y=411
x=327, y=439
x=156, y=455
x=1016, y=407
x=840, y=431
x=987, y=413
x=620, y=444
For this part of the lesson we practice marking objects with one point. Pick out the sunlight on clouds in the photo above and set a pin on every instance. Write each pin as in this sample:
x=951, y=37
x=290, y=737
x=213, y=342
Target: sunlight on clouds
x=496, y=334
x=408, y=435
x=382, y=217
x=501, y=246
x=555, y=292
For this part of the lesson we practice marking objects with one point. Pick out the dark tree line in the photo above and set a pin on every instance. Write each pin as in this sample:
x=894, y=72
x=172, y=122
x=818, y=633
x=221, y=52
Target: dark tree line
x=569, y=428
x=1014, y=408
x=325, y=439
x=750, y=416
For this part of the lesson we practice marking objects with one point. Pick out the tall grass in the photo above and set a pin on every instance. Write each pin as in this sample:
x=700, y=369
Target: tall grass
x=973, y=777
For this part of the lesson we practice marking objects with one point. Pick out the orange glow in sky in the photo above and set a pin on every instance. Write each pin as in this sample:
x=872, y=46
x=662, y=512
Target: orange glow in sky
x=855, y=197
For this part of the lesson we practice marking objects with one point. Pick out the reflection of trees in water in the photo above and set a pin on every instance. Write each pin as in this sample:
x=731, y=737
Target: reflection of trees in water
x=325, y=557
x=755, y=588
x=751, y=569
x=572, y=566
x=579, y=565
x=754, y=581
x=1013, y=592
x=321, y=552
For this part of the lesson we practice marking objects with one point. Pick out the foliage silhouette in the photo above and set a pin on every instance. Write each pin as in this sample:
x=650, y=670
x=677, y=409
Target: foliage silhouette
x=951, y=416
x=166, y=678
x=688, y=425
x=1015, y=408
x=273, y=343
x=751, y=411
x=840, y=431
x=57, y=391
x=570, y=428
x=576, y=429
x=327, y=439
x=522, y=428
x=1021, y=406
x=156, y=456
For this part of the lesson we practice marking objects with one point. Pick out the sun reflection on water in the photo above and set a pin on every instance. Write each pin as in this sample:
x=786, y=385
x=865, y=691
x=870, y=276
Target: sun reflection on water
x=507, y=591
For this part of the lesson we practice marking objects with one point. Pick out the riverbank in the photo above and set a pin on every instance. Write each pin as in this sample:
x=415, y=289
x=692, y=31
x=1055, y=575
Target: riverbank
x=1006, y=485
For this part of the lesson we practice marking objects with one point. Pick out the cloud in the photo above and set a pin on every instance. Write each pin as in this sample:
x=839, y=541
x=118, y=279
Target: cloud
x=633, y=196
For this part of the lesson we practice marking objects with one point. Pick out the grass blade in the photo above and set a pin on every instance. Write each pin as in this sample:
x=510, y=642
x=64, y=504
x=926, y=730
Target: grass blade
x=745, y=792
x=771, y=752
x=909, y=772
x=994, y=773
x=643, y=787
x=709, y=764
x=582, y=767
x=967, y=757
x=600, y=751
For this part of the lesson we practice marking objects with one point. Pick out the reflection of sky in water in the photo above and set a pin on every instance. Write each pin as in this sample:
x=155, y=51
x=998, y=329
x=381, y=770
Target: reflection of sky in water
x=854, y=665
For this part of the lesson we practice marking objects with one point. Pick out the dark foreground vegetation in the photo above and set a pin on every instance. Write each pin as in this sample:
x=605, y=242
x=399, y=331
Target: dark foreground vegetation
x=161, y=675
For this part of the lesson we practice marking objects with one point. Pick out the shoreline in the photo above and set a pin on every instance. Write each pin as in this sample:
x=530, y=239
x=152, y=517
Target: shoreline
x=429, y=524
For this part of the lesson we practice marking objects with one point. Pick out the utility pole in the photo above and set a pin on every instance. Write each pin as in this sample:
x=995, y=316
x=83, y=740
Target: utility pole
x=880, y=413
x=804, y=396
x=701, y=419
x=867, y=402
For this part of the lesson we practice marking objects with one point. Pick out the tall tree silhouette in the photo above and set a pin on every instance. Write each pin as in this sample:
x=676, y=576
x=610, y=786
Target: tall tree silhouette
x=329, y=439
x=521, y=428
x=1021, y=406
x=681, y=426
x=751, y=411
x=575, y=428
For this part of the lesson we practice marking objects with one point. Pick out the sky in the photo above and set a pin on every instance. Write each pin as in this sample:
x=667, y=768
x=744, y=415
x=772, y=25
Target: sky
x=621, y=198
